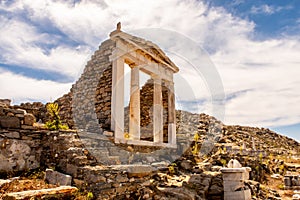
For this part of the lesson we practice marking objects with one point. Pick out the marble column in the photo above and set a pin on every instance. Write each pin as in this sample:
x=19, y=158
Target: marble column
x=157, y=110
x=117, y=122
x=134, y=111
x=171, y=114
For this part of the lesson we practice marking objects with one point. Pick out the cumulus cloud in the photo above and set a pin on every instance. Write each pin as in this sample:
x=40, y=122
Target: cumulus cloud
x=260, y=78
x=22, y=44
x=23, y=89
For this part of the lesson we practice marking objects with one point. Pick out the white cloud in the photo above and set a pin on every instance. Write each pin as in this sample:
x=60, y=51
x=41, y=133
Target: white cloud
x=270, y=71
x=24, y=89
x=19, y=45
x=267, y=70
x=266, y=9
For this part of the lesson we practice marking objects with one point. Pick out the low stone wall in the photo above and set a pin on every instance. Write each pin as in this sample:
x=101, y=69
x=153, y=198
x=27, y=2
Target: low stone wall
x=20, y=150
x=20, y=142
x=15, y=118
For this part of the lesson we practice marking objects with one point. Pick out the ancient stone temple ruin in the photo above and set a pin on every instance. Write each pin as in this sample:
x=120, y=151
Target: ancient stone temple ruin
x=146, y=57
x=98, y=96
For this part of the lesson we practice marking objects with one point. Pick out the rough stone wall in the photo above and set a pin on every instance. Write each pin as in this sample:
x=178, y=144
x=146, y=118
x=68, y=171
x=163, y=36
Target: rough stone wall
x=20, y=150
x=103, y=99
x=146, y=106
x=20, y=147
x=65, y=109
x=88, y=98
x=11, y=118
x=165, y=94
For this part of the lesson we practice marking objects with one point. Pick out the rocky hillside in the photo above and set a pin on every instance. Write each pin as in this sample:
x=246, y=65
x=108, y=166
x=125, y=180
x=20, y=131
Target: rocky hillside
x=264, y=151
x=194, y=175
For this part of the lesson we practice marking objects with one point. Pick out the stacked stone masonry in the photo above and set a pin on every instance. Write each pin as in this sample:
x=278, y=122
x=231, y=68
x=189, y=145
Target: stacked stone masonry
x=292, y=182
x=91, y=102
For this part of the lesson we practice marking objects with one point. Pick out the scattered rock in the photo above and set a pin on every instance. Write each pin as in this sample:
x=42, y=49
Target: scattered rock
x=276, y=176
x=186, y=164
x=57, y=178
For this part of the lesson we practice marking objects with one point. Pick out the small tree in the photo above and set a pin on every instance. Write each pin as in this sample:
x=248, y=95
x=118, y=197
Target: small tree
x=54, y=123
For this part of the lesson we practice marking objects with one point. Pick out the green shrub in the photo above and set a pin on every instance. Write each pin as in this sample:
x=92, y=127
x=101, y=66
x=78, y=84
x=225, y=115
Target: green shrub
x=54, y=123
x=196, y=147
x=89, y=195
x=172, y=169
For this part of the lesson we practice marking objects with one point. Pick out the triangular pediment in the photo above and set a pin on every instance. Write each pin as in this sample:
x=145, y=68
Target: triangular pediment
x=146, y=47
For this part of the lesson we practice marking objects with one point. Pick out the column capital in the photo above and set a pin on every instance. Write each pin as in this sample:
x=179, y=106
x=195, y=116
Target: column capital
x=156, y=79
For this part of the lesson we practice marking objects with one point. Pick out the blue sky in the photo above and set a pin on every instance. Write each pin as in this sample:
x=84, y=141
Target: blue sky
x=272, y=18
x=254, y=46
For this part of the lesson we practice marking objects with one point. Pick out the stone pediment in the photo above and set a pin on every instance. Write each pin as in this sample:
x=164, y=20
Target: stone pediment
x=144, y=47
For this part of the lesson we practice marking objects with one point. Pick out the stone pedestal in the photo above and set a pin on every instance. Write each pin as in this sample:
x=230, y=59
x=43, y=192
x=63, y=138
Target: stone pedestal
x=233, y=181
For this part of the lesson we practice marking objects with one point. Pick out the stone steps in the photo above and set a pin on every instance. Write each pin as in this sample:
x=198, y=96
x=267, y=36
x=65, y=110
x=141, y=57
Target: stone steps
x=61, y=192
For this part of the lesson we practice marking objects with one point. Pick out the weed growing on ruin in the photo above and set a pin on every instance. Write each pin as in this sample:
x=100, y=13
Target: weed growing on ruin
x=89, y=195
x=55, y=122
x=196, y=147
x=224, y=162
x=172, y=168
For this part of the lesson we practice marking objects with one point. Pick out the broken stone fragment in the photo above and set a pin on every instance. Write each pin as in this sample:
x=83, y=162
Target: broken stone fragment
x=57, y=178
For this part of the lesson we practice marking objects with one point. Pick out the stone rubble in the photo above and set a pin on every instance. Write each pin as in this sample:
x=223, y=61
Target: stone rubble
x=66, y=152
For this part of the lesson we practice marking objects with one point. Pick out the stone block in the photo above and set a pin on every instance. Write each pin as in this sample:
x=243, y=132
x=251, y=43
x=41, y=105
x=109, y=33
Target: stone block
x=121, y=179
x=9, y=122
x=27, y=127
x=287, y=181
x=108, y=133
x=235, y=174
x=72, y=169
x=20, y=115
x=14, y=135
x=5, y=102
x=238, y=195
x=29, y=119
x=63, y=192
x=135, y=170
x=57, y=178
x=231, y=186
